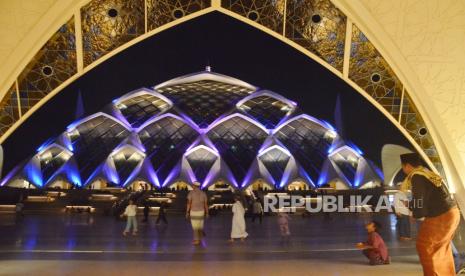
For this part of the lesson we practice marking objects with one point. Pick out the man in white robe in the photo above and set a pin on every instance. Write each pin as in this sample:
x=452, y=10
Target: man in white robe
x=238, y=221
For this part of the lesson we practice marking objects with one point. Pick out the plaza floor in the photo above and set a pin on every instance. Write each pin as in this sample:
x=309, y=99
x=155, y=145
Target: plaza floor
x=83, y=244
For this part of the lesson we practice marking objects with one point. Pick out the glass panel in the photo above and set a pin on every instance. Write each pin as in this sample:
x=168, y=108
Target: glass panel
x=238, y=142
x=165, y=141
x=308, y=143
x=93, y=141
x=204, y=101
x=137, y=110
x=201, y=161
x=267, y=110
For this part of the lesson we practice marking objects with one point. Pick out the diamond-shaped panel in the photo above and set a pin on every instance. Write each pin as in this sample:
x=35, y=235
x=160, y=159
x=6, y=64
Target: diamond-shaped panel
x=165, y=141
x=137, y=110
x=308, y=142
x=201, y=161
x=126, y=161
x=238, y=142
x=93, y=140
x=275, y=160
x=51, y=160
x=204, y=101
x=267, y=110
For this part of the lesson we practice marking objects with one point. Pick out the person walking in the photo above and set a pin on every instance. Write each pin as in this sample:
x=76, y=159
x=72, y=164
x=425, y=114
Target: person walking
x=146, y=212
x=257, y=211
x=197, y=211
x=130, y=212
x=432, y=203
x=283, y=222
x=238, y=221
x=162, y=214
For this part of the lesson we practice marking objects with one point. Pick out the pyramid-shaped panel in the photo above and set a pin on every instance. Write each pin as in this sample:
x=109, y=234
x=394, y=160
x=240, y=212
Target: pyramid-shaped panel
x=52, y=159
x=275, y=160
x=126, y=160
x=201, y=160
x=347, y=160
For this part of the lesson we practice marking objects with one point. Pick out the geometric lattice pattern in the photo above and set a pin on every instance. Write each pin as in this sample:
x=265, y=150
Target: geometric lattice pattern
x=371, y=72
x=51, y=160
x=93, y=141
x=275, y=161
x=126, y=161
x=206, y=100
x=267, y=110
x=137, y=110
x=165, y=141
x=107, y=24
x=9, y=112
x=238, y=142
x=51, y=66
x=201, y=161
x=318, y=26
x=347, y=162
x=156, y=143
x=415, y=126
x=269, y=13
x=161, y=12
x=308, y=142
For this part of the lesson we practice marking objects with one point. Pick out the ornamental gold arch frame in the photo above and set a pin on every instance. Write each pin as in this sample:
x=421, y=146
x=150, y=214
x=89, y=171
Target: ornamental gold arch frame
x=316, y=28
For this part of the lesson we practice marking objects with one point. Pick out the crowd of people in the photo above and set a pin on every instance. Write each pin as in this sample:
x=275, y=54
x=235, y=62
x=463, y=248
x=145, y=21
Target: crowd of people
x=422, y=196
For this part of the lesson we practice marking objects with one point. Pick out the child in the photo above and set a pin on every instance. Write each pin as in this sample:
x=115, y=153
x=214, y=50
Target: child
x=130, y=212
x=283, y=222
x=374, y=248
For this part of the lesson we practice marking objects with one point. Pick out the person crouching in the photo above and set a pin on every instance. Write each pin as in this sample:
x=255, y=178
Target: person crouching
x=374, y=248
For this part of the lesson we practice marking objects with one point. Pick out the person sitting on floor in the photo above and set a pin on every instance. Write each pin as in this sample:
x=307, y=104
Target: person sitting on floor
x=374, y=248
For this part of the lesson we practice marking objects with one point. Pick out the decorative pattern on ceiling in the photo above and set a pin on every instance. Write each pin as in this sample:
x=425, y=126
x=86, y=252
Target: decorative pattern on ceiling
x=9, y=111
x=108, y=24
x=161, y=12
x=371, y=72
x=316, y=25
x=269, y=13
x=51, y=66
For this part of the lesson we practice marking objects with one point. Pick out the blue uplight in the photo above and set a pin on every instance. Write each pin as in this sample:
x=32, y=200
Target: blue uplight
x=329, y=126
x=73, y=175
x=34, y=175
x=354, y=147
x=45, y=144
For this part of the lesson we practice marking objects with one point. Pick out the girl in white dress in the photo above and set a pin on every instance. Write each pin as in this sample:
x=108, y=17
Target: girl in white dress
x=238, y=221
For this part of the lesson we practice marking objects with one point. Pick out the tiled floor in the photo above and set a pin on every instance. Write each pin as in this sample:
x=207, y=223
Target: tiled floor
x=83, y=244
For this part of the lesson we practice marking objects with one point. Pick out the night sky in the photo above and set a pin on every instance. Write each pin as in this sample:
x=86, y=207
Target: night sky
x=231, y=48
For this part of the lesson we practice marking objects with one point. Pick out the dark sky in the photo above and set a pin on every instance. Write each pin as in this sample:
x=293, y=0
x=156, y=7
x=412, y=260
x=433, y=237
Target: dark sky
x=231, y=48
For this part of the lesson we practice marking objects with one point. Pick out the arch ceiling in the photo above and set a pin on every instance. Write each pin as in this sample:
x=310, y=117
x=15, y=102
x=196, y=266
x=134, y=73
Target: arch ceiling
x=344, y=36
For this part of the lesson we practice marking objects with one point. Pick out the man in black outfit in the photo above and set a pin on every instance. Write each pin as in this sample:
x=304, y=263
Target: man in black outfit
x=162, y=214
